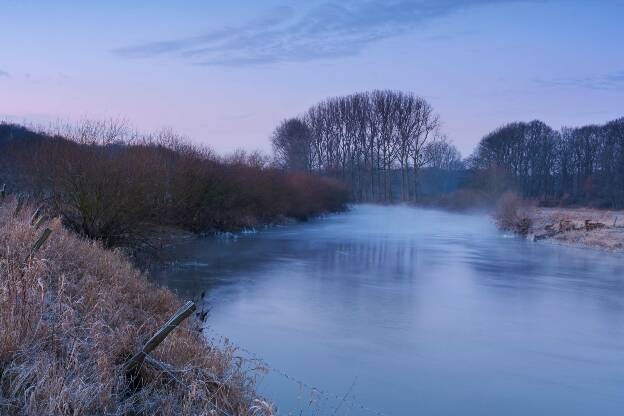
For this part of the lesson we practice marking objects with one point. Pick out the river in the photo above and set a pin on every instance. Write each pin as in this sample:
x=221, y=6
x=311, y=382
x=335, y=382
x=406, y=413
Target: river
x=406, y=311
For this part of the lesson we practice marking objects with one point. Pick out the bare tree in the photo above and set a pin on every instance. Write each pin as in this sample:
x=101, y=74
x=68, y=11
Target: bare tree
x=576, y=164
x=292, y=145
x=426, y=129
x=442, y=155
x=365, y=139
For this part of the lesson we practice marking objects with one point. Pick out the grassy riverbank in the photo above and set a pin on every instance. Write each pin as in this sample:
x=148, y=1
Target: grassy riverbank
x=585, y=227
x=73, y=312
x=580, y=226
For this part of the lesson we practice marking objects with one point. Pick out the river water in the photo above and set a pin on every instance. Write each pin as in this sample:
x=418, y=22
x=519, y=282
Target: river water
x=406, y=311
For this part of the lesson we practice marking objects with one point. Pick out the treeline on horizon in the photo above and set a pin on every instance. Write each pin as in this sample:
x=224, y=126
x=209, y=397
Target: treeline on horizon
x=113, y=185
x=582, y=165
x=387, y=146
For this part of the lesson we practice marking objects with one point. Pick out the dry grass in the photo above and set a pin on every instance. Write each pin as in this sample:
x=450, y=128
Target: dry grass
x=569, y=226
x=70, y=316
x=514, y=214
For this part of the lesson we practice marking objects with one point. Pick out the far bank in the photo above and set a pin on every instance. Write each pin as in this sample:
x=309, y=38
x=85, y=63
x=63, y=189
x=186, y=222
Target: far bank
x=578, y=226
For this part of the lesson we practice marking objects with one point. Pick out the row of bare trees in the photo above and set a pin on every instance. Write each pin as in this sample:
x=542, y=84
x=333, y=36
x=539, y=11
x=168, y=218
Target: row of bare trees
x=577, y=165
x=376, y=142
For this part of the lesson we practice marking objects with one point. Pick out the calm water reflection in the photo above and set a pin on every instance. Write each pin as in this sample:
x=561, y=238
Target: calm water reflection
x=417, y=312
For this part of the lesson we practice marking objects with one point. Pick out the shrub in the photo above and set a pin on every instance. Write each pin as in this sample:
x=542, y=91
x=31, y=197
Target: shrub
x=115, y=190
x=513, y=213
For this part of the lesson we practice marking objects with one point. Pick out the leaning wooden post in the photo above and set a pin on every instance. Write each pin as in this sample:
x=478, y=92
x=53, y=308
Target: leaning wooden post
x=39, y=243
x=20, y=203
x=181, y=314
x=39, y=221
x=42, y=239
x=35, y=215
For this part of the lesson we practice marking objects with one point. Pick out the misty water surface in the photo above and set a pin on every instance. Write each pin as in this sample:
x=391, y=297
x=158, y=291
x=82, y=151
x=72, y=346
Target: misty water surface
x=420, y=312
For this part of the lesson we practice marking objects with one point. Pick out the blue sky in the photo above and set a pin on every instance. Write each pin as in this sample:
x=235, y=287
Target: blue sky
x=225, y=73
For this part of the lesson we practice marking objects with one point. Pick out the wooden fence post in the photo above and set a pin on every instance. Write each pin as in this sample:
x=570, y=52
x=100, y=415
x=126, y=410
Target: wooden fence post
x=35, y=215
x=181, y=314
x=39, y=243
x=39, y=221
x=20, y=203
x=42, y=239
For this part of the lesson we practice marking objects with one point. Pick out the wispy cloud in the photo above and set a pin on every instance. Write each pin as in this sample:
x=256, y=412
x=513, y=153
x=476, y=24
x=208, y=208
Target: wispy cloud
x=328, y=30
x=614, y=80
x=4, y=74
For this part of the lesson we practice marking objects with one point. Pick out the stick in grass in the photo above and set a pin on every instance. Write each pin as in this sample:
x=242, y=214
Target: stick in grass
x=181, y=314
x=35, y=215
x=41, y=241
x=18, y=208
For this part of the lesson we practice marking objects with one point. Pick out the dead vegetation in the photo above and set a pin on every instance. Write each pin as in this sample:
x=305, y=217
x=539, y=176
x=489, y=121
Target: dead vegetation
x=514, y=214
x=573, y=226
x=72, y=313
x=580, y=226
x=115, y=186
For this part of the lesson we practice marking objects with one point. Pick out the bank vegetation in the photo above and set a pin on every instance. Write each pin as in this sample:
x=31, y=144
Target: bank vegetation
x=72, y=313
x=116, y=186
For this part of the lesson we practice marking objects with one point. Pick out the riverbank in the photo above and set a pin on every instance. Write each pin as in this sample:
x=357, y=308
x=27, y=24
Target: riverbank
x=72, y=313
x=579, y=226
x=149, y=251
x=584, y=227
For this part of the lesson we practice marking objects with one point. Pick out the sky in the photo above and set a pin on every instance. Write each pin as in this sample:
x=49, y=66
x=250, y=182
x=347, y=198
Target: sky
x=225, y=73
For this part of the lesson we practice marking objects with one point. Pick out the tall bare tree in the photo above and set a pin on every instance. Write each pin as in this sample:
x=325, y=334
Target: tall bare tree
x=292, y=145
x=366, y=139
